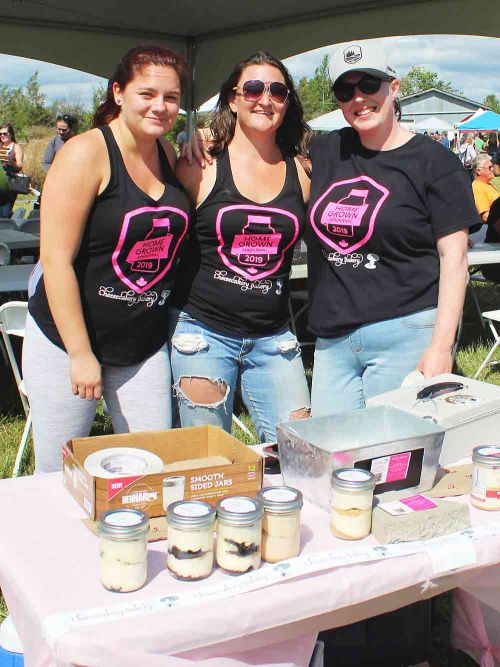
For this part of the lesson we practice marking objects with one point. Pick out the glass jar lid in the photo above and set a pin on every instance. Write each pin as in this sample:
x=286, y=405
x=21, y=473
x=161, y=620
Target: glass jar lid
x=124, y=524
x=280, y=499
x=353, y=479
x=239, y=510
x=190, y=514
x=488, y=454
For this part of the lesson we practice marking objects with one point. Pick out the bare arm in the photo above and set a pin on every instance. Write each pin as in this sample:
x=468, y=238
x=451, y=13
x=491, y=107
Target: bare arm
x=452, y=250
x=17, y=162
x=197, y=180
x=72, y=184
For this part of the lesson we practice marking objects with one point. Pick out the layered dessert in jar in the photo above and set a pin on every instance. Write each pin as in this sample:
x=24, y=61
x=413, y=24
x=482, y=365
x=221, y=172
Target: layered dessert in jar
x=351, y=503
x=124, y=545
x=190, y=554
x=239, y=528
x=280, y=523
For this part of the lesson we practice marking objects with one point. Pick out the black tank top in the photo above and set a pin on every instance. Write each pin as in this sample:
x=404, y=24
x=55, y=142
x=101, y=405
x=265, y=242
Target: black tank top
x=125, y=265
x=234, y=275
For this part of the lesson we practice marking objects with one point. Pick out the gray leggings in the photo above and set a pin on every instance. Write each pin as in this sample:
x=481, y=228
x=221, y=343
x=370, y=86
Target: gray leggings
x=138, y=397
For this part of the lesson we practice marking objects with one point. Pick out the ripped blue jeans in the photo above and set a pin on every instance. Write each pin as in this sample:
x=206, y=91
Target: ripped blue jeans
x=268, y=369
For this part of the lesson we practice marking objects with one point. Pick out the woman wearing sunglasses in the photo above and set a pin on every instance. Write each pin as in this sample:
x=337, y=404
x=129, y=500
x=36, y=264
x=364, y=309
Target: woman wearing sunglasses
x=387, y=253
x=230, y=328
x=11, y=158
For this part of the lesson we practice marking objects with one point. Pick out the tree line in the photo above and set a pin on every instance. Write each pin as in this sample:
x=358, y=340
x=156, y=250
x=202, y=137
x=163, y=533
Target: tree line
x=25, y=107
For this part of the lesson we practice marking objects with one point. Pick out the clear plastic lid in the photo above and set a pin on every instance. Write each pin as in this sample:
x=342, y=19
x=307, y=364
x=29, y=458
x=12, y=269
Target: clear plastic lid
x=353, y=479
x=123, y=524
x=281, y=499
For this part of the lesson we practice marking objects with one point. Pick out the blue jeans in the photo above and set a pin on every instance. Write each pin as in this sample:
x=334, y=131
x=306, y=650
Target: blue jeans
x=268, y=369
x=369, y=361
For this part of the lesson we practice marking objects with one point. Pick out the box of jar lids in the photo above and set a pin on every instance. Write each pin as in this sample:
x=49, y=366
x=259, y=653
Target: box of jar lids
x=149, y=470
x=400, y=449
x=470, y=414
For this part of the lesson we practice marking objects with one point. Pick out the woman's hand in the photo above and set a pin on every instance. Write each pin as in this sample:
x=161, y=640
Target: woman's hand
x=435, y=361
x=198, y=147
x=85, y=374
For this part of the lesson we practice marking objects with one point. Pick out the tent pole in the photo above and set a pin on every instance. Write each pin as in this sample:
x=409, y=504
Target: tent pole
x=190, y=86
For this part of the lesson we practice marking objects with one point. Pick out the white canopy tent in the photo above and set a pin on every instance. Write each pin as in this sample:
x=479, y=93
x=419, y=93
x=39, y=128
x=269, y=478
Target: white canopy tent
x=93, y=36
x=433, y=123
x=333, y=120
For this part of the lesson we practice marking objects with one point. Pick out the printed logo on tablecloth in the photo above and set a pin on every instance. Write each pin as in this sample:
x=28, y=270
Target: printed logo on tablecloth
x=345, y=215
x=251, y=242
x=142, y=263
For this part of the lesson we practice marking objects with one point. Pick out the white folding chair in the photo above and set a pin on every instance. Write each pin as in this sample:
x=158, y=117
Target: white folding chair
x=13, y=323
x=490, y=316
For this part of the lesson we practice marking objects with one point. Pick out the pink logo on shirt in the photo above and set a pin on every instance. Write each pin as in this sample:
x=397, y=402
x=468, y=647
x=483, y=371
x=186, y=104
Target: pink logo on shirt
x=142, y=263
x=344, y=216
x=249, y=241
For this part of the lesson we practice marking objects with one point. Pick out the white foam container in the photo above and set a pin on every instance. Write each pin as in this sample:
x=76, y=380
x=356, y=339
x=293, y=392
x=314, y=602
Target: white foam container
x=471, y=416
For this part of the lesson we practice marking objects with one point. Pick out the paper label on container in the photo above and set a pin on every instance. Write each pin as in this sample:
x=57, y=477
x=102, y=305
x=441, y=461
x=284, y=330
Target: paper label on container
x=409, y=505
x=123, y=519
x=238, y=505
x=280, y=495
x=353, y=475
x=391, y=468
x=191, y=509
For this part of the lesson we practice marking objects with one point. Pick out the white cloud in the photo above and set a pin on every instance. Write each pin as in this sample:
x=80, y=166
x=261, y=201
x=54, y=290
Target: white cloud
x=55, y=81
x=469, y=63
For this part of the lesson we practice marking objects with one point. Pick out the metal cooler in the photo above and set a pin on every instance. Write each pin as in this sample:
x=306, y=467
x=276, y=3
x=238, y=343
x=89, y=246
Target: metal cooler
x=400, y=448
x=471, y=416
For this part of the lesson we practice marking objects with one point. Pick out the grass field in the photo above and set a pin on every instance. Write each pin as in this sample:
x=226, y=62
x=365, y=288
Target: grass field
x=474, y=344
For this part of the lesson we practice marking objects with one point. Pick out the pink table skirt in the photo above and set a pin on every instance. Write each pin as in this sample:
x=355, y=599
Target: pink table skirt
x=49, y=564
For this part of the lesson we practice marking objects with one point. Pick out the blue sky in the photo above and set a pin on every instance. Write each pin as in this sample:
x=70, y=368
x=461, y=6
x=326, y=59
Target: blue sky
x=470, y=63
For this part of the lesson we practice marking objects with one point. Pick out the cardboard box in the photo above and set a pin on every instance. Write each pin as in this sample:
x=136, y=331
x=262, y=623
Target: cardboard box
x=96, y=495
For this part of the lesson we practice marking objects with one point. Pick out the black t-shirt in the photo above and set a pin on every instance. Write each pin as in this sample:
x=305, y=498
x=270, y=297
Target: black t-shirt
x=125, y=266
x=234, y=274
x=374, y=217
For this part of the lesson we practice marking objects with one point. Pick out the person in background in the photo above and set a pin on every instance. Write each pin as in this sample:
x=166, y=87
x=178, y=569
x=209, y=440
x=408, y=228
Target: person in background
x=484, y=192
x=467, y=154
x=492, y=145
x=479, y=142
x=65, y=127
x=387, y=249
x=444, y=140
x=113, y=220
x=495, y=182
x=11, y=159
x=182, y=135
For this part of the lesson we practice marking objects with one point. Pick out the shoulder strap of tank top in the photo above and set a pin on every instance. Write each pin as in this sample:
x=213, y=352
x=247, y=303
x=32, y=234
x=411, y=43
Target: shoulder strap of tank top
x=224, y=175
x=166, y=167
x=115, y=156
x=292, y=182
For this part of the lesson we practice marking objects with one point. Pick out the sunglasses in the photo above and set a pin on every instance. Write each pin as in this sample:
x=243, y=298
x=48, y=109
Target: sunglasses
x=62, y=130
x=4, y=134
x=368, y=84
x=253, y=90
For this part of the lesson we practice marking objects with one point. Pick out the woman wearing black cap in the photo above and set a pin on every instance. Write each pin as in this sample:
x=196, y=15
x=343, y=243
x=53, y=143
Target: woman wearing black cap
x=387, y=251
